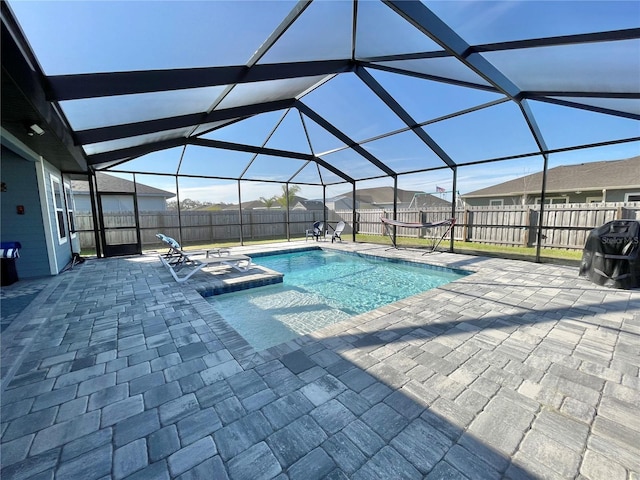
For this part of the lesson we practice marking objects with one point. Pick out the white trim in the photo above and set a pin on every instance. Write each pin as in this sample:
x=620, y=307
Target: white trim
x=496, y=202
x=594, y=199
x=70, y=208
x=628, y=194
x=58, y=208
x=46, y=218
x=16, y=146
x=551, y=200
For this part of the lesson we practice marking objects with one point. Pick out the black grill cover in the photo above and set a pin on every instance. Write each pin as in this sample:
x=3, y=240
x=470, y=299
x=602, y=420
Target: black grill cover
x=611, y=256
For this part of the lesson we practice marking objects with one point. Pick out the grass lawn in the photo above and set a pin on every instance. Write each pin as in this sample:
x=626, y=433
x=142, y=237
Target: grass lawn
x=551, y=255
x=569, y=256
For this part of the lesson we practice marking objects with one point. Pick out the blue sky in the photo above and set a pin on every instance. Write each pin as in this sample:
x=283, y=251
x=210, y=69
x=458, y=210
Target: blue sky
x=96, y=36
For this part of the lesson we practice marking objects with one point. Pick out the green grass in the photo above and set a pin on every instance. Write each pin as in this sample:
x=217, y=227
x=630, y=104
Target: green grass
x=480, y=248
x=527, y=253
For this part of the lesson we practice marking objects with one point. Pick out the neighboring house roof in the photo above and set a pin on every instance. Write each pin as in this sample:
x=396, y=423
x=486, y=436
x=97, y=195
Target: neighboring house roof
x=110, y=183
x=309, y=204
x=384, y=195
x=612, y=175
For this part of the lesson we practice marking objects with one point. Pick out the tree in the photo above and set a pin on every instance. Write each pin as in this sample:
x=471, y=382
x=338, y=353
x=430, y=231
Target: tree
x=188, y=204
x=268, y=202
x=284, y=199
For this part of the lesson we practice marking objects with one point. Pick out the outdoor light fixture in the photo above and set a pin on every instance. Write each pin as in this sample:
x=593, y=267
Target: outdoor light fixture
x=35, y=130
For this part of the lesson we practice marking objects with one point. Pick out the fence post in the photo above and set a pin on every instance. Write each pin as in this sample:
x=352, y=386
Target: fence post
x=211, y=227
x=527, y=223
x=465, y=225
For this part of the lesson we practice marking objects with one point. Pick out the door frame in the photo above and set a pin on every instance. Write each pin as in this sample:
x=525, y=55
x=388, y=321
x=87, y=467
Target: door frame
x=125, y=248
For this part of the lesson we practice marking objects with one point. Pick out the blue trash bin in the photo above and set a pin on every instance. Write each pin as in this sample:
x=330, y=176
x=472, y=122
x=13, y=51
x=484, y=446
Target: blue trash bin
x=9, y=251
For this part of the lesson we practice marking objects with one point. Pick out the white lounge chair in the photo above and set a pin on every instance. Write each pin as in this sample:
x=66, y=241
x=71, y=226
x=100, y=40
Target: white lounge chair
x=338, y=231
x=315, y=231
x=176, y=260
x=174, y=246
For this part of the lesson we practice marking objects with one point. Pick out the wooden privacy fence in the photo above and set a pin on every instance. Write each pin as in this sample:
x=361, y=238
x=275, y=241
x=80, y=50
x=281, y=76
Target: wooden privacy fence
x=198, y=226
x=565, y=225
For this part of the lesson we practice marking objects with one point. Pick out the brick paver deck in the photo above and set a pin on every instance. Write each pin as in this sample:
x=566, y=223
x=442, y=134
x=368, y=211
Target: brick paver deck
x=519, y=370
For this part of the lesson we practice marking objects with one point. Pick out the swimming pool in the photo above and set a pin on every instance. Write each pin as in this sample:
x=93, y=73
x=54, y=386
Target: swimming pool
x=321, y=288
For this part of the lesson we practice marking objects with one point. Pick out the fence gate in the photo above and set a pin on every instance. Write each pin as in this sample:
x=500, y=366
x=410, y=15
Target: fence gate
x=120, y=233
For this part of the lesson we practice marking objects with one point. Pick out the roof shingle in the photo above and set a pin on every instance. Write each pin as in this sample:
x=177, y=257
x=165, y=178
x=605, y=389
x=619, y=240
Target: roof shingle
x=584, y=177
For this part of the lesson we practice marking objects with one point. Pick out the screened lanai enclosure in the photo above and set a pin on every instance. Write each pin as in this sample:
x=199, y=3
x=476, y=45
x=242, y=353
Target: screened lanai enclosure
x=252, y=120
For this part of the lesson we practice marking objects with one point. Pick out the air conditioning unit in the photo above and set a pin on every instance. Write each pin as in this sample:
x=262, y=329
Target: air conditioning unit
x=75, y=245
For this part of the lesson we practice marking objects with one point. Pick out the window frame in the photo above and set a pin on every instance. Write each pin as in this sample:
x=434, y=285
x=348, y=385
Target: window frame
x=551, y=200
x=628, y=194
x=70, y=206
x=57, y=195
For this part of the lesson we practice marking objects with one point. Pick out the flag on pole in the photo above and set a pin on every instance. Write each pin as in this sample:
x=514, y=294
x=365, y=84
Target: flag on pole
x=440, y=189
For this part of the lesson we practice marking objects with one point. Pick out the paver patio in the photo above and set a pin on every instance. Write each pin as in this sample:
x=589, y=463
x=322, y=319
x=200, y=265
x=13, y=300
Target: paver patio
x=519, y=370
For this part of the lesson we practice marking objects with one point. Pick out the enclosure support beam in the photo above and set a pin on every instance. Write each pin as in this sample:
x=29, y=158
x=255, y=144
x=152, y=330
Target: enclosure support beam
x=396, y=108
x=395, y=207
x=94, y=212
x=240, y=213
x=543, y=195
x=288, y=216
x=179, y=213
x=530, y=118
x=324, y=207
x=454, y=202
x=93, y=85
x=431, y=25
x=329, y=127
x=353, y=213
x=137, y=213
x=126, y=130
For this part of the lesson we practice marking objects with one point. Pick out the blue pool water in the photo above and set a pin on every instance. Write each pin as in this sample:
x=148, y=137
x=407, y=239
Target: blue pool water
x=321, y=288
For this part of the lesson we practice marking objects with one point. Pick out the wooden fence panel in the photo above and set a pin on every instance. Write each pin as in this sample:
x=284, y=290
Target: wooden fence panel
x=565, y=225
x=501, y=225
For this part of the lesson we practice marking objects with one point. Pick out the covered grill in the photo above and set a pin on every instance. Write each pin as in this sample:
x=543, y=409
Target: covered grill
x=611, y=255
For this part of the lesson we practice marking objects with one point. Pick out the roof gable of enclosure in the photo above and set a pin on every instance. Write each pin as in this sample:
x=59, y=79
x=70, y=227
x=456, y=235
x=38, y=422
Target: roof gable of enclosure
x=359, y=90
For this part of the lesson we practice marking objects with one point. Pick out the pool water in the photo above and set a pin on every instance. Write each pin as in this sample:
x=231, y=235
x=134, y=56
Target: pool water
x=321, y=288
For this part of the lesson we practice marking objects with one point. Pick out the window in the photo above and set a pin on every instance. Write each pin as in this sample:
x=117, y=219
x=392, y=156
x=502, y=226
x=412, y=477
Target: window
x=553, y=200
x=594, y=199
x=58, y=204
x=632, y=197
x=70, y=210
x=496, y=202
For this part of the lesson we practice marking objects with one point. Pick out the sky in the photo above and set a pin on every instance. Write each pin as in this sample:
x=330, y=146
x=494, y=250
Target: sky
x=82, y=36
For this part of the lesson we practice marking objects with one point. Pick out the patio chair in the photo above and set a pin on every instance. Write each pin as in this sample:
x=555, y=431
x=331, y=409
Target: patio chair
x=176, y=260
x=174, y=248
x=241, y=263
x=316, y=231
x=338, y=231
x=192, y=264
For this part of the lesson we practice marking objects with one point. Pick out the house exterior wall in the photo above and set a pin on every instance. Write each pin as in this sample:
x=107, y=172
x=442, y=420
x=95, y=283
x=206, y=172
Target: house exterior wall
x=611, y=196
x=115, y=203
x=22, y=188
x=486, y=201
x=59, y=248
